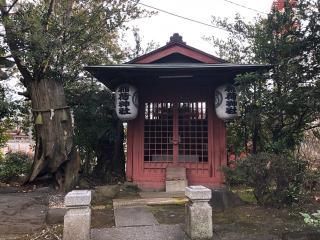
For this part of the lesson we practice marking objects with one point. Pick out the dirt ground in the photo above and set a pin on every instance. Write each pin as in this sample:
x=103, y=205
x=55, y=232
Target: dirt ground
x=102, y=216
x=23, y=213
x=244, y=222
x=22, y=217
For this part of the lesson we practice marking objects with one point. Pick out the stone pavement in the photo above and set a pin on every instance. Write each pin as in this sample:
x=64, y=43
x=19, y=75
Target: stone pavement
x=159, y=232
x=134, y=221
x=134, y=216
x=22, y=212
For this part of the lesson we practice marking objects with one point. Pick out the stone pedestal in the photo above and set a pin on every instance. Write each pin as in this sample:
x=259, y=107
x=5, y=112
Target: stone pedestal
x=77, y=220
x=198, y=213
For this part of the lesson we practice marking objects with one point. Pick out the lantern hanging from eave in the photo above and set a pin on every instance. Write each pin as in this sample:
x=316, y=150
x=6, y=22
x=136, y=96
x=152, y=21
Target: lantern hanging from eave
x=226, y=102
x=126, y=102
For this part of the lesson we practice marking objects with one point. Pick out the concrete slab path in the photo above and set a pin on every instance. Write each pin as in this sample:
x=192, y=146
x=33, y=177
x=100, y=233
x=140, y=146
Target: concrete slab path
x=134, y=216
x=22, y=213
x=159, y=232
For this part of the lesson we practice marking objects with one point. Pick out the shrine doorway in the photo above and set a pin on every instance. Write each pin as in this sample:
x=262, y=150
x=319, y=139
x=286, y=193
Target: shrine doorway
x=176, y=133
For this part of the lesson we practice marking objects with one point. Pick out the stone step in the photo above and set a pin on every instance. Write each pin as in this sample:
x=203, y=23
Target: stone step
x=174, y=194
x=176, y=185
x=176, y=173
x=176, y=179
x=147, y=201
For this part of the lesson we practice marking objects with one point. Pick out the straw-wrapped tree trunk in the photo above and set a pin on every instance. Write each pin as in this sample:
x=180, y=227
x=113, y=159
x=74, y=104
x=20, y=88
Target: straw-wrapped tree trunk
x=50, y=42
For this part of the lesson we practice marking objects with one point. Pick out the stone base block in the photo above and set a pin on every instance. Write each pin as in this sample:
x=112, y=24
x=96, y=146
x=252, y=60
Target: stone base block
x=199, y=221
x=195, y=193
x=78, y=198
x=77, y=224
x=176, y=185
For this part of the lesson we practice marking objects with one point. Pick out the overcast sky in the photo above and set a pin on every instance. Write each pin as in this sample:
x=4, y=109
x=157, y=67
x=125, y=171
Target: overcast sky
x=159, y=28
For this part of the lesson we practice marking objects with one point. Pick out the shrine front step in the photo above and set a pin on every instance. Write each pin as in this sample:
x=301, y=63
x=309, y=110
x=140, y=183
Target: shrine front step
x=176, y=185
x=176, y=179
x=169, y=195
x=119, y=203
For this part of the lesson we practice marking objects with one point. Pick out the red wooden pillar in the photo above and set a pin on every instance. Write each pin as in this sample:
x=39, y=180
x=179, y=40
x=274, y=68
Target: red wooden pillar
x=175, y=138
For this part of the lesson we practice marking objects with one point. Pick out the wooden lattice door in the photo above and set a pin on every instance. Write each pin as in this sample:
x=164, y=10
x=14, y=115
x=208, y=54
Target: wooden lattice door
x=176, y=132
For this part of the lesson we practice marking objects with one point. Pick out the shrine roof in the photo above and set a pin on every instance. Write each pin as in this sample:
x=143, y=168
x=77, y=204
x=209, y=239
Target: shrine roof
x=113, y=75
x=176, y=47
x=175, y=61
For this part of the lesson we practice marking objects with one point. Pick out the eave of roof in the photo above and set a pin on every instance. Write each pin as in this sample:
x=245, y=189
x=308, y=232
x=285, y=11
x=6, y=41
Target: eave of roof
x=135, y=67
x=113, y=75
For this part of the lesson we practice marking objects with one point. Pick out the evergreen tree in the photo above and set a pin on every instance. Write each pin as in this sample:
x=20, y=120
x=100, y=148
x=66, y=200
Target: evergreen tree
x=50, y=42
x=277, y=107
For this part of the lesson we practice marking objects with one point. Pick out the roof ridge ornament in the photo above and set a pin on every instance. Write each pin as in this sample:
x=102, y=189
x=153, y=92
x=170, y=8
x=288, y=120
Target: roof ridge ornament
x=176, y=38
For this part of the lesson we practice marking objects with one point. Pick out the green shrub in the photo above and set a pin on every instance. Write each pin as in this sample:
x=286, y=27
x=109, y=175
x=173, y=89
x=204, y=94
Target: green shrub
x=235, y=176
x=312, y=180
x=14, y=165
x=313, y=219
x=245, y=193
x=275, y=179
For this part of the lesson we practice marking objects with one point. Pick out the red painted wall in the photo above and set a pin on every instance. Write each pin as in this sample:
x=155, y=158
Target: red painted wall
x=152, y=175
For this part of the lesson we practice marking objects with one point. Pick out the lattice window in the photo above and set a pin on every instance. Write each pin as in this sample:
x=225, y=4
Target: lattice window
x=158, y=129
x=193, y=132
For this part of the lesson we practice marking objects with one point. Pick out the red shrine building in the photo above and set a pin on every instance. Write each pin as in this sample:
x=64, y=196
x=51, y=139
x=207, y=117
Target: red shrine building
x=175, y=101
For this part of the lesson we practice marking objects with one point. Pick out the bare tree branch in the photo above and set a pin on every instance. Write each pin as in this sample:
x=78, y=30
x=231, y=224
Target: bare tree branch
x=12, y=5
x=25, y=94
x=5, y=57
x=48, y=15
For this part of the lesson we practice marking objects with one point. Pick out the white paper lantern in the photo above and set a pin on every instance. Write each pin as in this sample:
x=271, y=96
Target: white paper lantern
x=126, y=102
x=226, y=102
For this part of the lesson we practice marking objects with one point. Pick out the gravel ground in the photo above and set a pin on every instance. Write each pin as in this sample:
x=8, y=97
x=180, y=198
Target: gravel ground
x=57, y=200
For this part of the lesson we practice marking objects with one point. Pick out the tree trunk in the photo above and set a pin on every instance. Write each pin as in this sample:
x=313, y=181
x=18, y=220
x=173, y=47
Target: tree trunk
x=54, y=153
x=255, y=136
x=118, y=156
